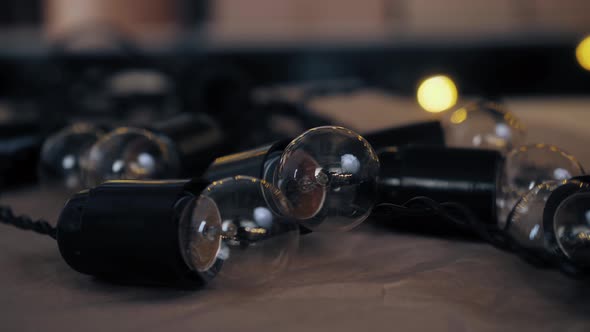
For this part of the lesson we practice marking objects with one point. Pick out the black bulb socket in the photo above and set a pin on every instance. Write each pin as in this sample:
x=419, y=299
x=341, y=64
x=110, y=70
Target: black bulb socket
x=196, y=137
x=259, y=162
x=467, y=176
x=128, y=232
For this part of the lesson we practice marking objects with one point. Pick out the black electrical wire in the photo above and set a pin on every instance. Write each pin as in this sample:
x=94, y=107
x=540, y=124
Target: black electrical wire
x=465, y=219
x=24, y=222
x=456, y=213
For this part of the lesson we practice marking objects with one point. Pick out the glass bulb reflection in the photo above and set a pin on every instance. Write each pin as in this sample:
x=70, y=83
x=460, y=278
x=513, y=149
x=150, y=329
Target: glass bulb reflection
x=551, y=221
x=483, y=124
x=572, y=227
x=64, y=153
x=329, y=176
x=200, y=236
x=525, y=223
x=258, y=240
x=131, y=154
x=528, y=166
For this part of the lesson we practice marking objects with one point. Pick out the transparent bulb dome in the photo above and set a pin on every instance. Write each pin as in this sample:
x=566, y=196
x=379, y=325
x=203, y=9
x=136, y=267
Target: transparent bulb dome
x=483, y=124
x=64, y=153
x=247, y=232
x=131, y=154
x=529, y=166
x=199, y=235
x=572, y=227
x=529, y=227
x=525, y=223
x=329, y=175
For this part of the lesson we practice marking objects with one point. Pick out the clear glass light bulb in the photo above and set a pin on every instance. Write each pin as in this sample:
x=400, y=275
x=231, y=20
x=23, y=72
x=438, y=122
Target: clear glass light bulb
x=329, y=175
x=257, y=239
x=552, y=236
x=131, y=154
x=199, y=235
x=572, y=227
x=64, y=153
x=525, y=223
x=483, y=124
x=529, y=166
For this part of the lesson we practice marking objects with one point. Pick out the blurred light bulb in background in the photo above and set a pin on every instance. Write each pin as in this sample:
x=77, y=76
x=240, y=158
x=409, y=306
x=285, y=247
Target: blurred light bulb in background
x=583, y=53
x=483, y=124
x=437, y=93
x=259, y=238
x=329, y=176
x=131, y=154
x=143, y=95
x=64, y=153
x=529, y=166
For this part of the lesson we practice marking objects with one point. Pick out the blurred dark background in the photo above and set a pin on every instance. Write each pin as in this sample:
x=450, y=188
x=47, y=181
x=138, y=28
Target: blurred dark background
x=65, y=57
x=494, y=48
x=411, y=25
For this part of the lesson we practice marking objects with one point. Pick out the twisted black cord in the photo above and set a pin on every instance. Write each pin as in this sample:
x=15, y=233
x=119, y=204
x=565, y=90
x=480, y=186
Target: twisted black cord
x=463, y=217
x=456, y=213
x=25, y=222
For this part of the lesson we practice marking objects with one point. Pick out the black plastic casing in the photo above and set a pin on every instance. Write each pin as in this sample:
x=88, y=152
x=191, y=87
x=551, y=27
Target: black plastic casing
x=259, y=163
x=197, y=138
x=466, y=176
x=250, y=163
x=128, y=231
x=423, y=133
x=20, y=148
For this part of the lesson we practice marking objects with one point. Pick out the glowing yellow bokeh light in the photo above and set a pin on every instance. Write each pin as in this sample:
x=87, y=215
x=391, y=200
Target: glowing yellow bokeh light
x=583, y=53
x=459, y=116
x=437, y=93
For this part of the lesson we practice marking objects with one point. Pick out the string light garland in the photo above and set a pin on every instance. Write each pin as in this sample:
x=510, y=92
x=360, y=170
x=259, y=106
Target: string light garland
x=476, y=186
x=177, y=233
x=185, y=233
